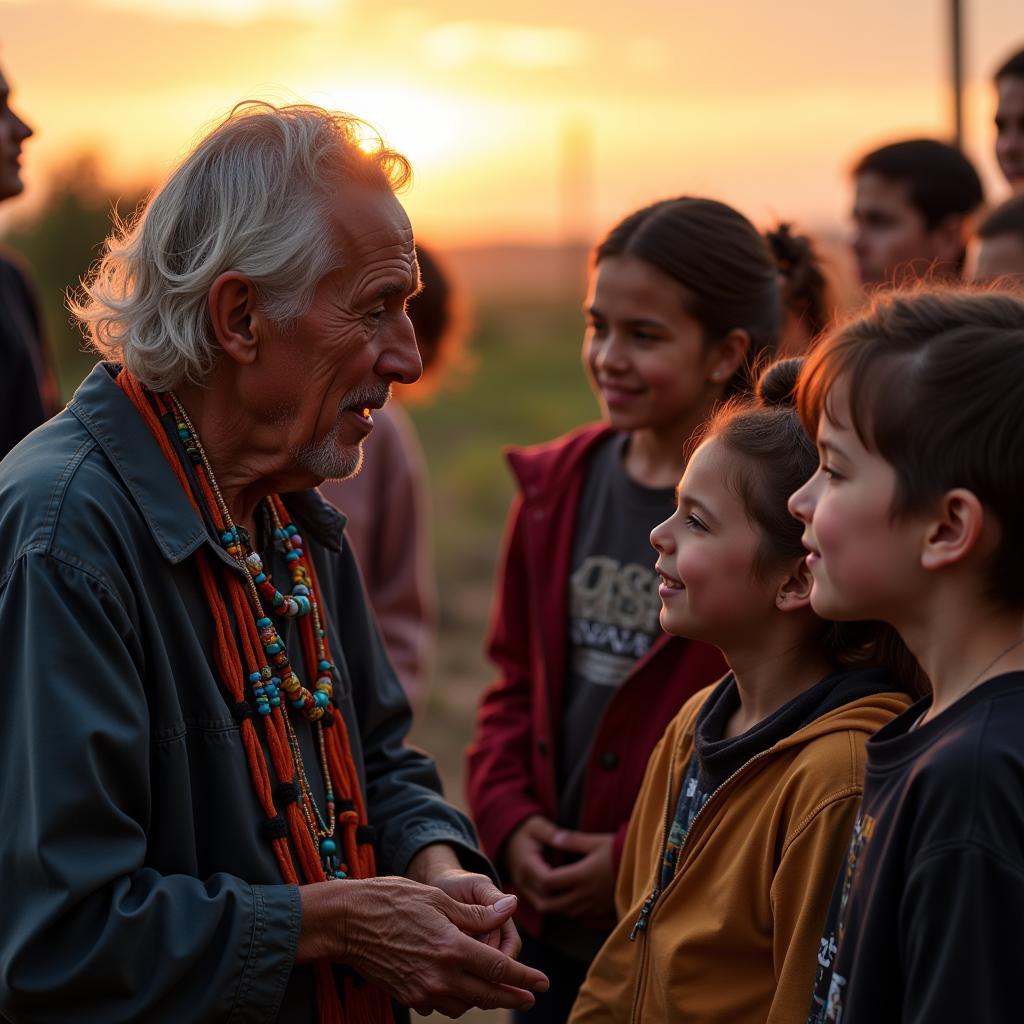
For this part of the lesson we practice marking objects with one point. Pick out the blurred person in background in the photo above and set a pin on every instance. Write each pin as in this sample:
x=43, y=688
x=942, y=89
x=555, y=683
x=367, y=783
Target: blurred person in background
x=683, y=296
x=1009, y=81
x=807, y=301
x=997, y=252
x=912, y=211
x=387, y=505
x=28, y=392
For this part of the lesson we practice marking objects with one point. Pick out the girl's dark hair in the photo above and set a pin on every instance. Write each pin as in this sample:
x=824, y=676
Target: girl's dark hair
x=935, y=385
x=805, y=288
x=773, y=457
x=724, y=266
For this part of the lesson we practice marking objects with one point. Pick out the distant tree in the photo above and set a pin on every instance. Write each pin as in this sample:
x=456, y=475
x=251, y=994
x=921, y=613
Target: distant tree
x=60, y=241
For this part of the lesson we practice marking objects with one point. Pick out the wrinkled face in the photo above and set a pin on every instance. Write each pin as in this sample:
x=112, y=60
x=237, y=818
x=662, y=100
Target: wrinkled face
x=13, y=132
x=323, y=378
x=645, y=355
x=707, y=554
x=891, y=241
x=864, y=562
x=998, y=258
x=1010, y=130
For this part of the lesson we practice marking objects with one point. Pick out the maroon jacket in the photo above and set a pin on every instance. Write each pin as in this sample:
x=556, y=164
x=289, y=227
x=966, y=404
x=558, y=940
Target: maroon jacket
x=512, y=762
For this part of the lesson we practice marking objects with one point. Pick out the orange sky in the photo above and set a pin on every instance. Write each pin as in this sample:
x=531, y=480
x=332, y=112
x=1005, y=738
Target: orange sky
x=762, y=104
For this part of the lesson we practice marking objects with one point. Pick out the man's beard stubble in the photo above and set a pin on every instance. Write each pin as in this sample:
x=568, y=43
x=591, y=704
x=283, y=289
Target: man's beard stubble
x=328, y=458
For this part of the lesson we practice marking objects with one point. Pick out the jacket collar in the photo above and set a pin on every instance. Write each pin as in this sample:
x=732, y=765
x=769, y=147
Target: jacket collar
x=109, y=416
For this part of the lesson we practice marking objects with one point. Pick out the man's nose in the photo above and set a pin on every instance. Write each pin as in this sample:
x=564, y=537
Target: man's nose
x=400, y=362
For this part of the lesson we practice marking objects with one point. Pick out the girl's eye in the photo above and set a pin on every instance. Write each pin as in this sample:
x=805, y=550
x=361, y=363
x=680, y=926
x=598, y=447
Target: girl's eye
x=694, y=523
x=644, y=336
x=830, y=473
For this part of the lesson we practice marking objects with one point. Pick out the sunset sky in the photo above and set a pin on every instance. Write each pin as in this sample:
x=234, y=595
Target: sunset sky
x=500, y=108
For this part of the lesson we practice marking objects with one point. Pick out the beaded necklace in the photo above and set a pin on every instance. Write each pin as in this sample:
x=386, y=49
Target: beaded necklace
x=327, y=846
x=276, y=673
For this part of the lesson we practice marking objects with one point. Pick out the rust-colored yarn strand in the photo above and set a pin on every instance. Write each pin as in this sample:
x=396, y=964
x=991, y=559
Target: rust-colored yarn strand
x=364, y=1004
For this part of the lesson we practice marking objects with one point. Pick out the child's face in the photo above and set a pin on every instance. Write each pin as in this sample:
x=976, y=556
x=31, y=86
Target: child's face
x=707, y=555
x=864, y=561
x=645, y=355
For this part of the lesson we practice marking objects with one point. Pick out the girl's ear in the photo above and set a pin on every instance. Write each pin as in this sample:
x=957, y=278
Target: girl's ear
x=954, y=529
x=795, y=591
x=726, y=356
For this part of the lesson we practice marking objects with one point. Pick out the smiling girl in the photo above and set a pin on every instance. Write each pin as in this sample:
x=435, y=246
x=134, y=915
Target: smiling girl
x=682, y=294
x=748, y=802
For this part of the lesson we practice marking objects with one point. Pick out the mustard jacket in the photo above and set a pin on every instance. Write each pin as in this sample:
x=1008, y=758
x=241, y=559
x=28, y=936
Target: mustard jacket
x=734, y=936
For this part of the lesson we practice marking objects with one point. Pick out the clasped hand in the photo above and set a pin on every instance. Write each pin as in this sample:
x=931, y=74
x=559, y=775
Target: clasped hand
x=583, y=889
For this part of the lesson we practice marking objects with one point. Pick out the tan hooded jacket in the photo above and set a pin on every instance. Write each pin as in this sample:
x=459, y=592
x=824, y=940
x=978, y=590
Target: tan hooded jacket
x=735, y=935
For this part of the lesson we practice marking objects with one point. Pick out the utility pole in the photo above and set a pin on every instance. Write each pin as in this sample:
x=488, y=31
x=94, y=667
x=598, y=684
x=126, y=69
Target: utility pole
x=957, y=42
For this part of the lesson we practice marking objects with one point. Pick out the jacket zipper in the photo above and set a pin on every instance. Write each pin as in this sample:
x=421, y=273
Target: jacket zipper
x=643, y=919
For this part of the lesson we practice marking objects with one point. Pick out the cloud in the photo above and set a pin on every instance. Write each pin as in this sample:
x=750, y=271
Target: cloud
x=229, y=11
x=456, y=44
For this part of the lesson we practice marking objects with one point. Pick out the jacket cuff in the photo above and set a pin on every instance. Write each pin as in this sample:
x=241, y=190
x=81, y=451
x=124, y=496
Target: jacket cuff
x=465, y=849
x=277, y=918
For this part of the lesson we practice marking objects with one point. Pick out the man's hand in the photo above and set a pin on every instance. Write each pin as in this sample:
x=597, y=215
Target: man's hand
x=438, y=865
x=413, y=942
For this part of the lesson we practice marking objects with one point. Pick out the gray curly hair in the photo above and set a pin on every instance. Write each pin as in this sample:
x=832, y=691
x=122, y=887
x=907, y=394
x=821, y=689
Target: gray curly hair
x=253, y=196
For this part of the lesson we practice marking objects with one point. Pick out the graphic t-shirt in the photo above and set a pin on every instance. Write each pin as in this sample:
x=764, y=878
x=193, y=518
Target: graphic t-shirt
x=613, y=604
x=926, y=922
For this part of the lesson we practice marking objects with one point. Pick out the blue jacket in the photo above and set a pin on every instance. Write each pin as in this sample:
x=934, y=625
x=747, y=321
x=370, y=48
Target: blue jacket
x=138, y=884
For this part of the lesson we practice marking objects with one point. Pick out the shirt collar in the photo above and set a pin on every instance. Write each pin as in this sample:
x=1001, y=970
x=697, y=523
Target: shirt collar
x=109, y=415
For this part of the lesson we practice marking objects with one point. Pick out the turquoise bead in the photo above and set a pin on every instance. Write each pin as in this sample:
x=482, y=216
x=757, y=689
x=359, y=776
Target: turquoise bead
x=274, y=648
x=291, y=529
x=264, y=622
x=226, y=537
x=260, y=577
x=328, y=847
x=321, y=698
x=293, y=556
x=324, y=666
x=300, y=591
x=254, y=677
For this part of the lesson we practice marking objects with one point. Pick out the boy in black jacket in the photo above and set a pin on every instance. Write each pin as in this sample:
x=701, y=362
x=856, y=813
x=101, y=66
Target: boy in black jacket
x=913, y=519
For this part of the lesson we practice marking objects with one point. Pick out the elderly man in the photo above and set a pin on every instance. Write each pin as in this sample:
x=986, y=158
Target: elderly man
x=208, y=810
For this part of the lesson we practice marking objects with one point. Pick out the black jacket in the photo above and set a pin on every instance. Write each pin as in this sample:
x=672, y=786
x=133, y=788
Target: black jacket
x=928, y=914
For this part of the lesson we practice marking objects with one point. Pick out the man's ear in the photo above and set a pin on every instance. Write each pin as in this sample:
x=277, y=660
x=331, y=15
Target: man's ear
x=953, y=530
x=233, y=305
x=727, y=355
x=795, y=591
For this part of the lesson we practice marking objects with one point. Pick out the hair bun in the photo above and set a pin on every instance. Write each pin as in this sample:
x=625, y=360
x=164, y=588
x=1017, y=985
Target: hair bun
x=776, y=386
